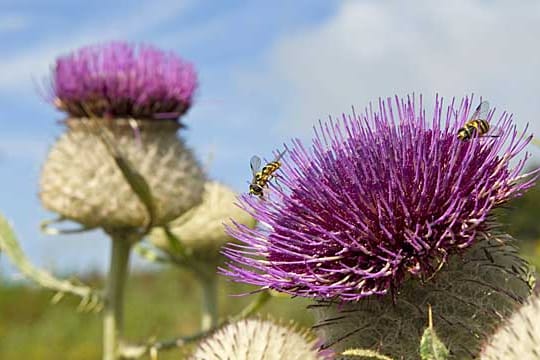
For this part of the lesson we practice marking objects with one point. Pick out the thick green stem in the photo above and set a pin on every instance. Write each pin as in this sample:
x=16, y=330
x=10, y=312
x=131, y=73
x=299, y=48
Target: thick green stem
x=114, y=295
x=209, y=312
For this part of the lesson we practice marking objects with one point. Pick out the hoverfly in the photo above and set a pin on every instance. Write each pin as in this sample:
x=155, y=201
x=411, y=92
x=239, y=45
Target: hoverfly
x=261, y=177
x=477, y=124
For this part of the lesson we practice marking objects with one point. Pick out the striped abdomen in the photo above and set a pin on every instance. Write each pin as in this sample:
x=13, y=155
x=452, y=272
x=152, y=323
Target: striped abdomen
x=473, y=128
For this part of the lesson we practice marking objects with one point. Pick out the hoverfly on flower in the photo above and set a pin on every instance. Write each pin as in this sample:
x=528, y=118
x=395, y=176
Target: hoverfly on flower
x=477, y=125
x=261, y=177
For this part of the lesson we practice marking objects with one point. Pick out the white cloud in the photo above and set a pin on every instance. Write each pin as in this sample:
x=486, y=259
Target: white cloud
x=19, y=70
x=371, y=49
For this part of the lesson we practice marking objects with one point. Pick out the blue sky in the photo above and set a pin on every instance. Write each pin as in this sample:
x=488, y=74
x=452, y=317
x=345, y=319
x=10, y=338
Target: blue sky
x=267, y=70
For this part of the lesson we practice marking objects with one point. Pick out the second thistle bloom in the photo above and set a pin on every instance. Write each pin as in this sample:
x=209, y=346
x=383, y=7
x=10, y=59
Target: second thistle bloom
x=381, y=196
x=119, y=79
x=116, y=95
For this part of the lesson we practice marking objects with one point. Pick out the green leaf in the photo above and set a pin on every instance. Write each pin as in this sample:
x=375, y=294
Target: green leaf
x=150, y=254
x=138, y=184
x=367, y=354
x=175, y=243
x=135, y=180
x=47, y=229
x=262, y=298
x=431, y=348
x=90, y=299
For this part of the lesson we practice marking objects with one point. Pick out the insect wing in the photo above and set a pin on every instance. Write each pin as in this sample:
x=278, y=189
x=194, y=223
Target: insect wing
x=481, y=111
x=255, y=164
x=495, y=132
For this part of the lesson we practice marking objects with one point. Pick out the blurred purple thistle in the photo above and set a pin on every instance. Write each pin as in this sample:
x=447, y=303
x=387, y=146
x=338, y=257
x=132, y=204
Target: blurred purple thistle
x=381, y=196
x=123, y=80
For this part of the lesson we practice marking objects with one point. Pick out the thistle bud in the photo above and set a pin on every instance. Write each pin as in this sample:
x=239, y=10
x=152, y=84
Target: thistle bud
x=260, y=339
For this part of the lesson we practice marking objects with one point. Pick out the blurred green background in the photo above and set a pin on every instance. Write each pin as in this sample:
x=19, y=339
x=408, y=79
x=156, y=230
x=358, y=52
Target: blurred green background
x=164, y=304
x=159, y=305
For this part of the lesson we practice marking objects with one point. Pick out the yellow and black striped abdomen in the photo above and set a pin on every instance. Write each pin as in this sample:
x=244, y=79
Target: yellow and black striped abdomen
x=473, y=128
x=270, y=168
x=255, y=188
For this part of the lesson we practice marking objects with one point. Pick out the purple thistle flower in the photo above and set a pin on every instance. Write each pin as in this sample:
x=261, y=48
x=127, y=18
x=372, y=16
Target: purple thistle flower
x=381, y=196
x=119, y=79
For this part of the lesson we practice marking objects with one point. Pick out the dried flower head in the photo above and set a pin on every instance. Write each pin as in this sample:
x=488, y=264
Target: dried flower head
x=119, y=79
x=260, y=339
x=381, y=196
x=519, y=338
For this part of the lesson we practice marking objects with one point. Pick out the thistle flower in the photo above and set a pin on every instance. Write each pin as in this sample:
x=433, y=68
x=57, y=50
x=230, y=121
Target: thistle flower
x=118, y=90
x=382, y=196
x=260, y=339
x=519, y=338
x=201, y=229
x=119, y=79
x=470, y=297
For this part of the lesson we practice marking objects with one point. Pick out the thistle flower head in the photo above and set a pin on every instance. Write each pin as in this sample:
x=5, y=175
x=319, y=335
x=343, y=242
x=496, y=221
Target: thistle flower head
x=260, y=339
x=520, y=337
x=381, y=196
x=119, y=79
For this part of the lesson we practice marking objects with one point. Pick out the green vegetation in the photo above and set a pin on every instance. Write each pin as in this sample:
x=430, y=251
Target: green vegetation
x=521, y=219
x=521, y=216
x=159, y=305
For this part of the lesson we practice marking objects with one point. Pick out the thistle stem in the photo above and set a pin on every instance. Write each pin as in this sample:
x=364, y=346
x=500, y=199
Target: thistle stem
x=113, y=315
x=262, y=298
x=209, y=312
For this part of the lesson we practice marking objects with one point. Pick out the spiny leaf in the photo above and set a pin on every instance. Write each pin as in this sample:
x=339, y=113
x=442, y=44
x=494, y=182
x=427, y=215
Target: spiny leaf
x=47, y=229
x=431, y=348
x=90, y=299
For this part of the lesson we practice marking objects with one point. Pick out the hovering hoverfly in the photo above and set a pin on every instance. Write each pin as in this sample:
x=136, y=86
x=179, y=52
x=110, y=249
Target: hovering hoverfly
x=261, y=177
x=477, y=125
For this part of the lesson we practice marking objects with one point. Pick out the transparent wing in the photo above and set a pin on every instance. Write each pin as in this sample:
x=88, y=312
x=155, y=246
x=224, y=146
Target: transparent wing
x=494, y=131
x=255, y=164
x=481, y=111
